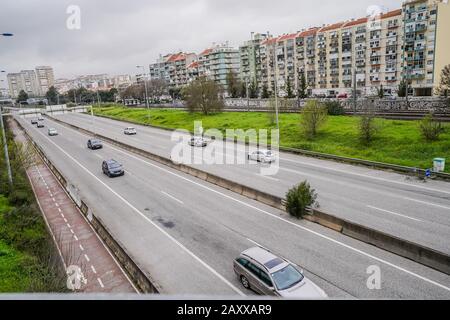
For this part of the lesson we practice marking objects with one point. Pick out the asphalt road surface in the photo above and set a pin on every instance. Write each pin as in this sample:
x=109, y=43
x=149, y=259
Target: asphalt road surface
x=386, y=201
x=185, y=232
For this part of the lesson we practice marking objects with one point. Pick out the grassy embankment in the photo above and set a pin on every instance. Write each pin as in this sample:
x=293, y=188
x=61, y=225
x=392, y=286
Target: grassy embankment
x=28, y=258
x=397, y=142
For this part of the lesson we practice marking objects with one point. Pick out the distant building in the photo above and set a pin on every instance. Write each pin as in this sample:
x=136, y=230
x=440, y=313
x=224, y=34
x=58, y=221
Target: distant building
x=45, y=78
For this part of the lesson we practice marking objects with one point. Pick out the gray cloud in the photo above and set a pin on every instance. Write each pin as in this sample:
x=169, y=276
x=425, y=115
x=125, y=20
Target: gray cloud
x=116, y=35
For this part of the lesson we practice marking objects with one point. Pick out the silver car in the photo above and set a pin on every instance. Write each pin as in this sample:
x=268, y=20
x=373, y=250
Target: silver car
x=52, y=132
x=130, y=131
x=264, y=156
x=267, y=274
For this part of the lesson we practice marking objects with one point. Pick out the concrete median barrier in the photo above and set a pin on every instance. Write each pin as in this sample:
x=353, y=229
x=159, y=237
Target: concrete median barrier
x=413, y=251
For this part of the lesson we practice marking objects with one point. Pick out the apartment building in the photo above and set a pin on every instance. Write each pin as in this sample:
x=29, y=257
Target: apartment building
x=45, y=78
x=216, y=62
x=173, y=68
x=250, y=58
x=25, y=80
x=426, y=43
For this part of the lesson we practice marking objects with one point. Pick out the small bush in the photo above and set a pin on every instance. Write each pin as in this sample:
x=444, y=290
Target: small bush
x=314, y=115
x=299, y=198
x=334, y=108
x=430, y=128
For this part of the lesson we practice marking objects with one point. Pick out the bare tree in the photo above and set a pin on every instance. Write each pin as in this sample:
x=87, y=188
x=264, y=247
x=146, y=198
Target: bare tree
x=314, y=115
x=203, y=95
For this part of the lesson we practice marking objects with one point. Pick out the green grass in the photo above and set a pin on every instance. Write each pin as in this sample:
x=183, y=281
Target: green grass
x=14, y=273
x=397, y=142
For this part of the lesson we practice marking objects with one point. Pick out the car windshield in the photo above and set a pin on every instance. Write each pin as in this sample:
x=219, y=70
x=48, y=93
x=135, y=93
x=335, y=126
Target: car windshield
x=287, y=277
x=114, y=166
x=95, y=141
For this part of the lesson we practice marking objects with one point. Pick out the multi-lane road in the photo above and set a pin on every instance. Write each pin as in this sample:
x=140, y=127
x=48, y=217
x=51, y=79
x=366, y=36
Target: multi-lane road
x=386, y=201
x=184, y=232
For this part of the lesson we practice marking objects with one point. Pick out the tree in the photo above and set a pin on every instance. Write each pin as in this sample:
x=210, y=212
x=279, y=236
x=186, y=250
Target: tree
x=243, y=90
x=367, y=125
x=402, y=89
x=52, y=95
x=430, y=128
x=299, y=198
x=302, y=87
x=444, y=85
x=265, y=92
x=253, y=90
x=314, y=115
x=232, y=85
x=23, y=96
x=157, y=88
x=175, y=93
x=289, y=92
x=203, y=95
x=380, y=92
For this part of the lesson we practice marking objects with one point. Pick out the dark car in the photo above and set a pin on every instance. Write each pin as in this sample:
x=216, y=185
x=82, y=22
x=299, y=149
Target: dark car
x=94, y=144
x=40, y=125
x=34, y=121
x=112, y=168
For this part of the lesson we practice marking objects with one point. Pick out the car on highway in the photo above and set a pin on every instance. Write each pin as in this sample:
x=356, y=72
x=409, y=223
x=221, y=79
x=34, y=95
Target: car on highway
x=52, y=132
x=267, y=274
x=198, y=142
x=130, y=131
x=40, y=119
x=40, y=125
x=264, y=156
x=94, y=144
x=34, y=121
x=112, y=168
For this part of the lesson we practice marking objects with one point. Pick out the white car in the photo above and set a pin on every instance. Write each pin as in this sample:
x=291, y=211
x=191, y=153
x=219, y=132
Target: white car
x=52, y=132
x=198, y=142
x=264, y=156
x=130, y=131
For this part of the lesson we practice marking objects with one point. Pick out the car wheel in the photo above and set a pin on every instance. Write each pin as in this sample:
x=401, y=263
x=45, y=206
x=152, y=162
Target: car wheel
x=245, y=282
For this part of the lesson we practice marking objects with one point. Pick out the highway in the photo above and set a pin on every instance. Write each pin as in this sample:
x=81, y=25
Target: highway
x=386, y=201
x=184, y=232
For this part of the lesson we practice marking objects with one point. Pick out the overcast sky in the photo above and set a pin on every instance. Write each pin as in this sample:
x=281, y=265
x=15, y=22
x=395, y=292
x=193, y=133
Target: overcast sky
x=116, y=35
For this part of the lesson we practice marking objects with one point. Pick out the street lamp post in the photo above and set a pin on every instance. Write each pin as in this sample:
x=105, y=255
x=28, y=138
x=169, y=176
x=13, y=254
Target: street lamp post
x=5, y=145
x=146, y=92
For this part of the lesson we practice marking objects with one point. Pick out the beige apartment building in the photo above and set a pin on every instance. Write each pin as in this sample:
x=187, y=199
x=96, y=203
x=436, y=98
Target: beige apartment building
x=45, y=78
x=371, y=54
x=427, y=43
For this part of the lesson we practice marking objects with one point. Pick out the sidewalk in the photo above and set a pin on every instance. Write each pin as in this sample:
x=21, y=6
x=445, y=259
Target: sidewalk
x=79, y=246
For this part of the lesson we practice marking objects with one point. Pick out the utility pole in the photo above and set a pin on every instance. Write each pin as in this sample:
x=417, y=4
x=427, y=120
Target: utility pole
x=5, y=149
x=146, y=92
x=355, y=98
x=275, y=82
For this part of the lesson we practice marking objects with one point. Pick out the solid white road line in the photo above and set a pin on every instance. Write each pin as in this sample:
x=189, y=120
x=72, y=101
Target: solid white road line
x=427, y=203
x=101, y=283
x=172, y=197
x=394, y=213
x=207, y=266
x=257, y=209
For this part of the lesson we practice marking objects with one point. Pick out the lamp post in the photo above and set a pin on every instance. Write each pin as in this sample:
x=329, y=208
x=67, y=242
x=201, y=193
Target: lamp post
x=5, y=145
x=146, y=92
x=275, y=80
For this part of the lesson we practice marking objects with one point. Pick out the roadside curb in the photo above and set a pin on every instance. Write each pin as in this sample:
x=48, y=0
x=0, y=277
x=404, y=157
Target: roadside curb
x=141, y=279
x=413, y=251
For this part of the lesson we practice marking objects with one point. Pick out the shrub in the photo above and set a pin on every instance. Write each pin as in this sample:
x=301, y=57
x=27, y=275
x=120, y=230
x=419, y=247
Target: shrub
x=314, y=115
x=299, y=198
x=430, y=128
x=334, y=108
